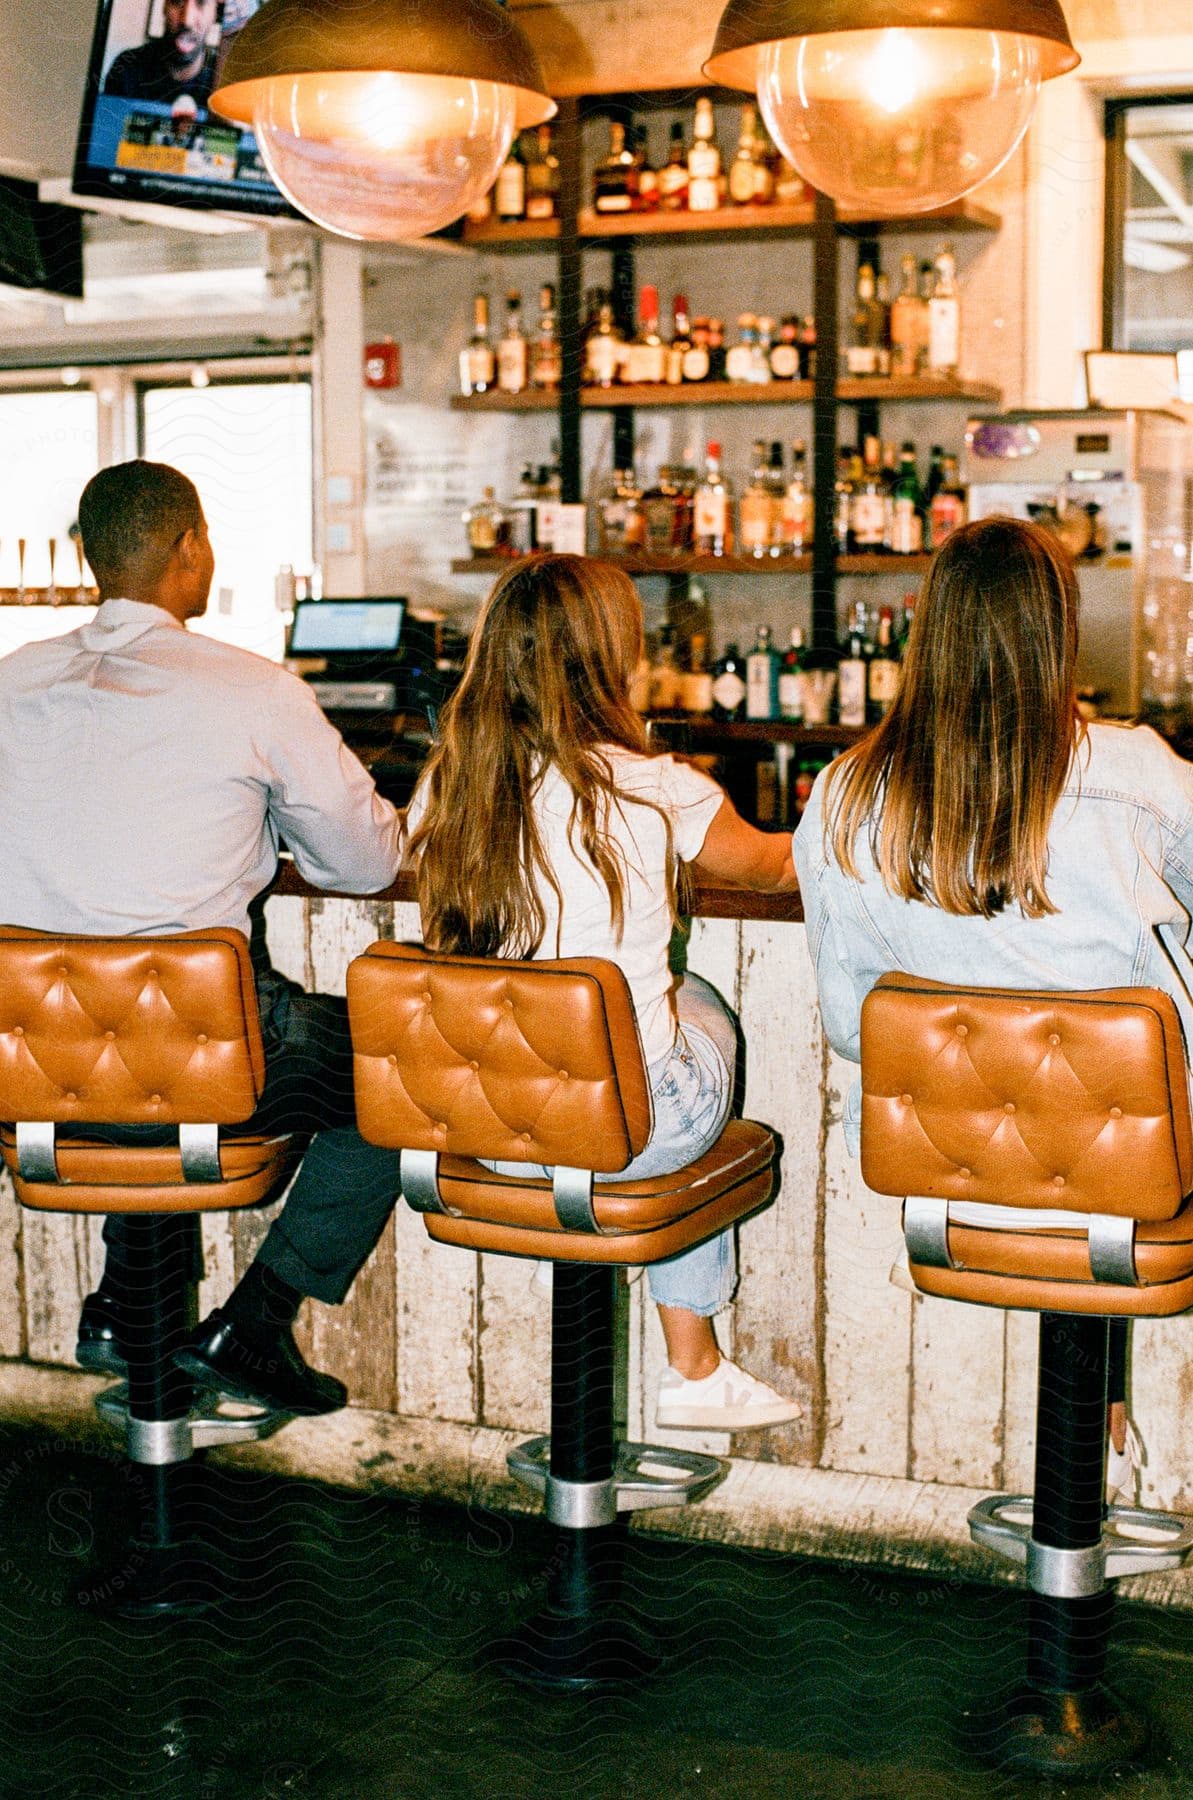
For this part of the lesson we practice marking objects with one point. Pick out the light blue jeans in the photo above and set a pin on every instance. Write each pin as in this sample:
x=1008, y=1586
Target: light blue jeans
x=691, y=1094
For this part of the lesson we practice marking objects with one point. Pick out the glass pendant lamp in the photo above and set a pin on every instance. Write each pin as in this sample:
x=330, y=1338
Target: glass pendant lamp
x=893, y=106
x=379, y=119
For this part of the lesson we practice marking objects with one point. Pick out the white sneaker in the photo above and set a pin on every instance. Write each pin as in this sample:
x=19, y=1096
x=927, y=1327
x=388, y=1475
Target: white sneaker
x=1123, y=1466
x=726, y=1400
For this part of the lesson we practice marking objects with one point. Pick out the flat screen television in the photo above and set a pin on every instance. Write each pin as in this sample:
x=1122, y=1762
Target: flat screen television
x=41, y=245
x=146, y=133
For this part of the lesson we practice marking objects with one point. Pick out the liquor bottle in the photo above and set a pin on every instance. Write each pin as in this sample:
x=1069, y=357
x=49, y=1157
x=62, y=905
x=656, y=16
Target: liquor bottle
x=927, y=284
x=547, y=360
x=741, y=169
x=716, y=349
x=704, y=161
x=485, y=524
x=791, y=690
x=604, y=350
x=511, y=350
x=882, y=681
x=868, y=507
x=696, y=357
x=762, y=678
x=906, y=322
x=765, y=158
x=666, y=682
x=728, y=685
x=510, y=194
x=713, y=520
x=760, y=351
x=613, y=182
x=673, y=176
x=882, y=300
x=909, y=600
x=480, y=361
x=797, y=512
x=935, y=474
x=807, y=349
x=646, y=362
x=950, y=504
x=681, y=341
x=790, y=187
x=944, y=317
x=862, y=353
x=754, y=508
x=843, y=502
x=784, y=356
x=740, y=358
x=542, y=178
x=907, y=506
x=852, y=670
x=776, y=483
x=523, y=513
x=646, y=197
x=696, y=688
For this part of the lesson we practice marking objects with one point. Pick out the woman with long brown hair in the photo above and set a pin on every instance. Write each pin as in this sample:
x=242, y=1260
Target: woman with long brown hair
x=985, y=833
x=545, y=827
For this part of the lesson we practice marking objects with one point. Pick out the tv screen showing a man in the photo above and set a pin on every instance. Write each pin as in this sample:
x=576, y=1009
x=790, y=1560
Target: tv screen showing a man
x=178, y=64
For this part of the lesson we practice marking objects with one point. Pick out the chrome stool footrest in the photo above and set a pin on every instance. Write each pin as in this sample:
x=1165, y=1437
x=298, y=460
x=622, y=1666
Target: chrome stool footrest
x=644, y=1475
x=161, y=1441
x=1135, y=1541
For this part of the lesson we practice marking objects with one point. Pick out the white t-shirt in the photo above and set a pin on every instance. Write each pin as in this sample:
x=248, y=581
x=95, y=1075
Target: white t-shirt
x=690, y=799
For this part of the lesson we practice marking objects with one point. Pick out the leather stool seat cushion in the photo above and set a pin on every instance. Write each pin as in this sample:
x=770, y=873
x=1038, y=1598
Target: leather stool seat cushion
x=638, y=1221
x=1048, y=1271
x=103, y=1178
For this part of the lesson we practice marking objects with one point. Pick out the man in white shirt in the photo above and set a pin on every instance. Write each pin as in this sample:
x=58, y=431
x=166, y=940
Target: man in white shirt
x=148, y=775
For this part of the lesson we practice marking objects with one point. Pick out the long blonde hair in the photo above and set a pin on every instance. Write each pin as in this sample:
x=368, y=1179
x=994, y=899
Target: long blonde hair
x=545, y=686
x=958, y=785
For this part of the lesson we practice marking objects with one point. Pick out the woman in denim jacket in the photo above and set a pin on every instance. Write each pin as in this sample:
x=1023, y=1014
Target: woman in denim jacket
x=984, y=833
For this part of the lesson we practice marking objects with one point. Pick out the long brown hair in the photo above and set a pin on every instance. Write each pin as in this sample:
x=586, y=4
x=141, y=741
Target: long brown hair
x=958, y=785
x=546, y=685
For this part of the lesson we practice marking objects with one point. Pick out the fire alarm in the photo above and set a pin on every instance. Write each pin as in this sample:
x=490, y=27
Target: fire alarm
x=383, y=364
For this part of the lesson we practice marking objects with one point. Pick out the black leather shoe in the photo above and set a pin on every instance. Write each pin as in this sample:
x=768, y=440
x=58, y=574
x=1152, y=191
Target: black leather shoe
x=99, y=1348
x=266, y=1369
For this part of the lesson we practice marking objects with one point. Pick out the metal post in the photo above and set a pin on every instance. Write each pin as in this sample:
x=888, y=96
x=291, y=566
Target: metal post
x=824, y=427
x=567, y=138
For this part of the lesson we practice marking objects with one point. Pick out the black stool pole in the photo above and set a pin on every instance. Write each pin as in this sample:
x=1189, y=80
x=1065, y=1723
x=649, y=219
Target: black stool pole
x=1064, y=1721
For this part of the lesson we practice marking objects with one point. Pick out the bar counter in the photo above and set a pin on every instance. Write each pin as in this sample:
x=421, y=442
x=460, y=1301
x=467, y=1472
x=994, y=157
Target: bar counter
x=913, y=1408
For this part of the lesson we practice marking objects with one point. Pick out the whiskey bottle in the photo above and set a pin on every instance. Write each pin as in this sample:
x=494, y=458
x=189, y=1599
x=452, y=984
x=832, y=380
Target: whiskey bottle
x=646, y=363
x=906, y=322
x=542, y=179
x=741, y=169
x=713, y=511
x=784, y=356
x=728, y=685
x=681, y=341
x=673, y=176
x=754, y=510
x=615, y=178
x=944, y=317
x=852, y=670
x=882, y=680
x=950, y=504
x=480, y=362
x=646, y=194
x=740, y=359
x=510, y=193
x=512, y=360
x=604, y=350
x=547, y=361
x=868, y=507
x=797, y=511
x=696, y=358
x=862, y=353
x=704, y=161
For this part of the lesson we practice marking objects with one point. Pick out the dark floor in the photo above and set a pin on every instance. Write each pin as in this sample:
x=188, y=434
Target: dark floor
x=351, y=1665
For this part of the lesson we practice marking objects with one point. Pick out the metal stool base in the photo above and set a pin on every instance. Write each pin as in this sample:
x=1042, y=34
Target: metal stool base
x=644, y=1476
x=1135, y=1541
x=1075, y=1736
x=160, y=1441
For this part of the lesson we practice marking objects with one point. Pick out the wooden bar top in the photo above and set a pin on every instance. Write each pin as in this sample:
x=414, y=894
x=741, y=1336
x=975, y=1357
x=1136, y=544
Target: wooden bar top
x=720, y=902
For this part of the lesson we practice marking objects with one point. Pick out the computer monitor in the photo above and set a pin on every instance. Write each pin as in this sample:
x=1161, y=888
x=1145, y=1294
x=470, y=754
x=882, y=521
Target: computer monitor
x=346, y=629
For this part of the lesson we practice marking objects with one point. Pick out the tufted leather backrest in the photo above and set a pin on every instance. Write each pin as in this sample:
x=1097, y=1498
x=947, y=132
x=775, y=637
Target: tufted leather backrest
x=513, y=1061
x=1077, y=1100
x=128, y=1031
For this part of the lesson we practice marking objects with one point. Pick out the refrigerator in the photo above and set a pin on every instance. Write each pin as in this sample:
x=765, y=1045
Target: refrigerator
x=1117, y=489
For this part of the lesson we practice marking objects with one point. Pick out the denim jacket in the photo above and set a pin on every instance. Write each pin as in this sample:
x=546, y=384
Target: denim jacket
x=1120, y=872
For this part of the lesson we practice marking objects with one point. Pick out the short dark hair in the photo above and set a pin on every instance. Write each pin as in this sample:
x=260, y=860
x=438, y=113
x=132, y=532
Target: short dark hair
x=132, y=514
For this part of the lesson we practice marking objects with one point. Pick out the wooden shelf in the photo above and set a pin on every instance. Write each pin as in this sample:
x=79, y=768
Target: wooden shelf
x=735, y=221
x=691, y=564
x=699, y=729
x=737, y=393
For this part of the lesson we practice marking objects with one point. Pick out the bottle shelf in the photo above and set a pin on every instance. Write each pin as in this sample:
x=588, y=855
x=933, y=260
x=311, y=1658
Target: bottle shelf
x=885, y=563
x=732, y=221
x=916, y=389
x=697, y=728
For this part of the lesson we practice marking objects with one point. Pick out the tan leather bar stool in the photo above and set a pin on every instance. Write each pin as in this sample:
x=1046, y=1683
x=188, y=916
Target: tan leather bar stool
x=458, y=1058
x=117, y=1032
x=985, y=1106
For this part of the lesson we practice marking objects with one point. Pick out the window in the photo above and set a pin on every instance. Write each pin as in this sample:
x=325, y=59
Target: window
x=246, y=445
x=1149, y=228
x=49, y=450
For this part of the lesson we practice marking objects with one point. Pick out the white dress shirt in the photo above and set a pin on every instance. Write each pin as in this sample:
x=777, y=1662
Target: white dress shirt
x=146, y=775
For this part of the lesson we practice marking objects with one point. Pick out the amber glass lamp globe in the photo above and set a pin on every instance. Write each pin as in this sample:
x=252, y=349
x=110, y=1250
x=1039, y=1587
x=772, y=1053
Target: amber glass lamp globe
x=380, y=121
x=890, y=106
